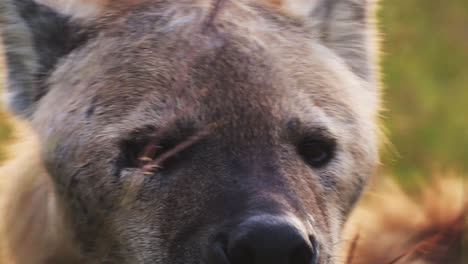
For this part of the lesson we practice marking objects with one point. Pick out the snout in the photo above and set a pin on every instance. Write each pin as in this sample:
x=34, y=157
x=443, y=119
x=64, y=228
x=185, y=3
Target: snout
x=265, y=240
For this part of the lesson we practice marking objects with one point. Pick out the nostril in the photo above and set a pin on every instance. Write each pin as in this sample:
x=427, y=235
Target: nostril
x=242, y=254
x=315, y=250
x=302, y=254
x=306, y=253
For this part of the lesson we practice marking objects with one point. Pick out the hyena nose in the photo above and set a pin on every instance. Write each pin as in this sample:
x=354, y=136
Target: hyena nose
x=270, y=242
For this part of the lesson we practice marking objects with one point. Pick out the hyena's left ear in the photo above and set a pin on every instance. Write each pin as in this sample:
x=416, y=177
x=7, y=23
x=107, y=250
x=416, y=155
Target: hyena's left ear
x=36, y=35
x=348, y=28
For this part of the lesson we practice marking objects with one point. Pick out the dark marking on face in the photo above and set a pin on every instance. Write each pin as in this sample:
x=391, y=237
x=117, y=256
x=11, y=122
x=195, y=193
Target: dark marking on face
x=328, y=182
x=91, y=108
x=215, y=10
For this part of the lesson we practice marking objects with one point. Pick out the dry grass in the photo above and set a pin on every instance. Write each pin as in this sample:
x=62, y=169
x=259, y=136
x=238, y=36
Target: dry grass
x=392, y=227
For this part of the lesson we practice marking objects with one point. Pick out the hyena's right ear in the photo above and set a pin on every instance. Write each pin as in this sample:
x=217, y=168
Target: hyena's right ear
x=35, y=37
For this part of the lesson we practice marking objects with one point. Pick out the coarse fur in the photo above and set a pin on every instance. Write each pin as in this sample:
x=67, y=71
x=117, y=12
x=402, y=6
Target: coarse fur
x=249, y=84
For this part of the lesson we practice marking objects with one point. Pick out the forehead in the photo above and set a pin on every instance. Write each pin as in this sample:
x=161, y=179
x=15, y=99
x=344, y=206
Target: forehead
x=239, y=57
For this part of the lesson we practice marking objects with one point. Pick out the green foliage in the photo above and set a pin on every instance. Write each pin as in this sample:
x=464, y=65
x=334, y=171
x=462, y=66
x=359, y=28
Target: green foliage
x=426, y=78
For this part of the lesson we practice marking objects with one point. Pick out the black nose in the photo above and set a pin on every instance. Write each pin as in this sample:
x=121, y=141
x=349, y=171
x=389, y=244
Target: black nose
x=270, y=243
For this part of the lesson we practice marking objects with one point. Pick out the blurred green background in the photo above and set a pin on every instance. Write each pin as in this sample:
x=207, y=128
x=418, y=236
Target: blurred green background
x=425, y=72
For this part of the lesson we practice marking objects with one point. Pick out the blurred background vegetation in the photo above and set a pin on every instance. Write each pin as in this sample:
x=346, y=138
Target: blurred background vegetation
x=425, y=72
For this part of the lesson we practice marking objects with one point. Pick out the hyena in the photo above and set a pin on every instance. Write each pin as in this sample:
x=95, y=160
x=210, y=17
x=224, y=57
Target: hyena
x=189, y=131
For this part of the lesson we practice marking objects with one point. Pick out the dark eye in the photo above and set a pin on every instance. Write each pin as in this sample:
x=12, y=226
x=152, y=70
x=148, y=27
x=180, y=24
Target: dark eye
x=140, y=150
x=157, y=151
x=317, y=152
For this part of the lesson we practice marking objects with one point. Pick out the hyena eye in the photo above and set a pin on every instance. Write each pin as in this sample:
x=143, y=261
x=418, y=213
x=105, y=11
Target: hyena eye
x=138, y=152
x=317, y=152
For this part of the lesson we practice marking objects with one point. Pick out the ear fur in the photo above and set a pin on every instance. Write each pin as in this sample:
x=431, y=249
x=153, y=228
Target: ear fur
x=84, y=9
x=348, y=28
x=345, y=26
x=34, y=39
x=19, y=56
x=76, y=8
x=294, y=8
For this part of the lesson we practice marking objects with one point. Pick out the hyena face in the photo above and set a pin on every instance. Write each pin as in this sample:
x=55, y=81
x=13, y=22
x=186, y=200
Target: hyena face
x=198, y=131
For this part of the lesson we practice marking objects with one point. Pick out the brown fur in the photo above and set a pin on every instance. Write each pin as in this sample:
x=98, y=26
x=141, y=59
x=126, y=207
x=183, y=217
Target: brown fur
x=261, y=79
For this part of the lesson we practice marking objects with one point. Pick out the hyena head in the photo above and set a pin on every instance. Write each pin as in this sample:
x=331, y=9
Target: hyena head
x=198, y=131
